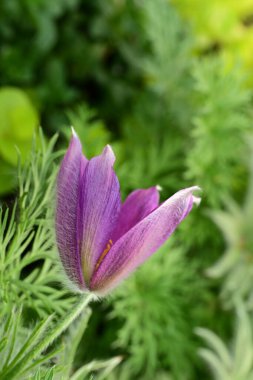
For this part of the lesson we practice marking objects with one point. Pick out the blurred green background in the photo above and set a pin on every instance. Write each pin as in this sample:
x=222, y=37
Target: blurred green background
x=169, y=85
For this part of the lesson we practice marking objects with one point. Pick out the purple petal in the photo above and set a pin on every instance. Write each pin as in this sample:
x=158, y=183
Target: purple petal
x=66, y=211
x=137, y=206
x=133, y=248
x=99, y=206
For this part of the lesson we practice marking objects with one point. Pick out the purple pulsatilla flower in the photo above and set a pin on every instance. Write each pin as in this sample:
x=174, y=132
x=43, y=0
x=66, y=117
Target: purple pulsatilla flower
x=100, y=240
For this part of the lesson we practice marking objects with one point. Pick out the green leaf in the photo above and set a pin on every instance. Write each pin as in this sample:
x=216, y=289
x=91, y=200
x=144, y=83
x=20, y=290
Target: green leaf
x=18, y=120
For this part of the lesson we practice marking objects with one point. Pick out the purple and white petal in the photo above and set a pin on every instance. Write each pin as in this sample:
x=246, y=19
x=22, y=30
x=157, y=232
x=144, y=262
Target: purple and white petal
x=99, y=205
x=137, y=206
x=68, y=184
x=141, y=241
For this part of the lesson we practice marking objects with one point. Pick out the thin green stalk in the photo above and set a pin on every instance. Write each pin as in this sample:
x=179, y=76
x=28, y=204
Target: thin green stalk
x=75, y=341
x=11, y=372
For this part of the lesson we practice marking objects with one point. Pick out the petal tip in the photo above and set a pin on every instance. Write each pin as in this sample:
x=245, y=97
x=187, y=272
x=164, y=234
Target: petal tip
x=159, y=188
x=74, y=134
x=108, y=149
x=196, y=200
x=195, y=188
x=108, y=153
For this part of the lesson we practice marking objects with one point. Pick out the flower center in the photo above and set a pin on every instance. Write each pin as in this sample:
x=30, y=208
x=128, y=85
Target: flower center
x=104, y=253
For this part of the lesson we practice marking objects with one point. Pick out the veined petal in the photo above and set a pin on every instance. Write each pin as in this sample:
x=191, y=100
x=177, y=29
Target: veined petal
x=68, y=184
x=99, y=205
x=137, y=206
x=141, y=241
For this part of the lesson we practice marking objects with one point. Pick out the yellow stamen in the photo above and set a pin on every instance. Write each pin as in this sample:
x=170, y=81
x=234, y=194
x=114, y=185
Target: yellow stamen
x=104, y=253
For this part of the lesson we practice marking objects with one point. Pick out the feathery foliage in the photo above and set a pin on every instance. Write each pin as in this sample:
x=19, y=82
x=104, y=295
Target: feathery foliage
x=157, y=117
x=236, y=266
x=235, y=361
x=221, y=122
x=170, y=44
x=16, y=347
x=29, y=275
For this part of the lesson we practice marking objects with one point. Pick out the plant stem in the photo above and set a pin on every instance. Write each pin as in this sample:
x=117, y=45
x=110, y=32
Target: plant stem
x=47, y=340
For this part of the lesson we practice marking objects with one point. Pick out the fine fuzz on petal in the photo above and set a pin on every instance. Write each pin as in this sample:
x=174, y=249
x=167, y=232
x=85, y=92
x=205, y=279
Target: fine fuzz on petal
x=99, y=205
x=141, y=241
x=68, y=184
